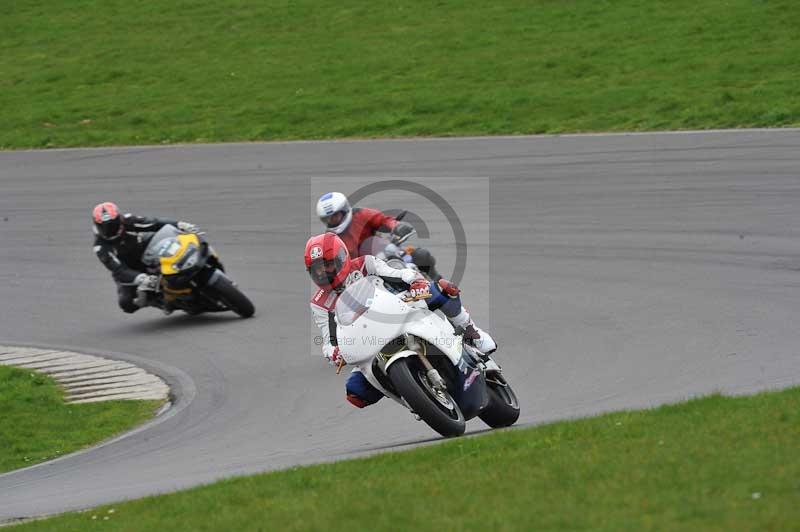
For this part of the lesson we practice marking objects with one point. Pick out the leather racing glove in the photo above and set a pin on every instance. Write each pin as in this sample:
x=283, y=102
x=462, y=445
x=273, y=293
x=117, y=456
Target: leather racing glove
x=333, y=355
x=448, y=288
x=187, y=227
x=402, y=232
x=146, y=282
x=420, y=289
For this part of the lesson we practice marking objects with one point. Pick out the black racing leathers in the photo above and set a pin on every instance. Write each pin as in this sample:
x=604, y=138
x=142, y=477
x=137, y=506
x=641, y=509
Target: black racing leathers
x=123, y=256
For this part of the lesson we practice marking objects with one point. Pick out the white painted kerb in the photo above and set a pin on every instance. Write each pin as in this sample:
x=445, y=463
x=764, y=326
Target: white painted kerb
x=88, y=378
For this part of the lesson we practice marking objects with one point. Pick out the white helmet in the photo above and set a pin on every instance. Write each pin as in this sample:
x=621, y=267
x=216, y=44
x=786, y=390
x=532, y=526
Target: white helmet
x=335, y=212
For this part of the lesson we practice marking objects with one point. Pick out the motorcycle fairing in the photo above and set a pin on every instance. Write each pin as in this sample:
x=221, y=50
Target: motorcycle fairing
x=470, y=392
x=371, y=376
x=159, y=244
x=367, y=314
x=187, y=264
x=175, y=255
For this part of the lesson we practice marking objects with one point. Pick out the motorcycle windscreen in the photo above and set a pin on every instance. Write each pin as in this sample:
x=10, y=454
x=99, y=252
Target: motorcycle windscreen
x=158, y=246
x=355, y=301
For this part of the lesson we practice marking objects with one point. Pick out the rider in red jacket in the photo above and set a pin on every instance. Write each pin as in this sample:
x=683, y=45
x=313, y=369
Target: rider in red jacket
x=354, y=226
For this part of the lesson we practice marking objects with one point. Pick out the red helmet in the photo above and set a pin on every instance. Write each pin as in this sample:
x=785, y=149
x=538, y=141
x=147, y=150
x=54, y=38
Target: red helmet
x=107, y=220
x=327, y=261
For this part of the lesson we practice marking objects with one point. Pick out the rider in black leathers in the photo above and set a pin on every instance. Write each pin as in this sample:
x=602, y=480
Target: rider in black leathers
x=120, y=241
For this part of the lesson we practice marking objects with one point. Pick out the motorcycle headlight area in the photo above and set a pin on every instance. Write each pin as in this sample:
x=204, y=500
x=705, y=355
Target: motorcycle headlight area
x=189, y=259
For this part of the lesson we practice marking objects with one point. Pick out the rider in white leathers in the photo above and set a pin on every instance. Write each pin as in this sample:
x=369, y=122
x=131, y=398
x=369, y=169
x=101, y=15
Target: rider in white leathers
x=330, y=267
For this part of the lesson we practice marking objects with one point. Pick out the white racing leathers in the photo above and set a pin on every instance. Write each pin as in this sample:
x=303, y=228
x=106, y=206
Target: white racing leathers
x=323, y=302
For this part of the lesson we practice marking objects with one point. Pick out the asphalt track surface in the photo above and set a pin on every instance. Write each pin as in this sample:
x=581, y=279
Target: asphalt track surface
x=623, y=271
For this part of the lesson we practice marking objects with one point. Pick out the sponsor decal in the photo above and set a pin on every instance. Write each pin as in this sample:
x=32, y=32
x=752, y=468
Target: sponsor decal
x=331, y=299
x=167, y=247
x=316, y=252
x=324, y=299
x=354, y=276
x=471, y=379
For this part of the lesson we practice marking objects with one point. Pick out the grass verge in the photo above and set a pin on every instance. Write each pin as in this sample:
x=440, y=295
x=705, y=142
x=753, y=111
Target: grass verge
x=36, y=424
x=103, y=72
x=716, y=463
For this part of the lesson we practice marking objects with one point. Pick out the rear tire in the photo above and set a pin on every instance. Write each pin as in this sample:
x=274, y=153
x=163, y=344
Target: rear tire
x=503, y=407
x=442, y=414
x=232, y=297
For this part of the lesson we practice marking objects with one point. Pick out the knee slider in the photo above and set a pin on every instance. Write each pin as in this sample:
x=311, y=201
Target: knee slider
x=356, y=401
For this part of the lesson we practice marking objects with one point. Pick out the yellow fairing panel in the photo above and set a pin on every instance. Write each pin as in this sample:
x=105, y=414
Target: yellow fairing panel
x=168, y=262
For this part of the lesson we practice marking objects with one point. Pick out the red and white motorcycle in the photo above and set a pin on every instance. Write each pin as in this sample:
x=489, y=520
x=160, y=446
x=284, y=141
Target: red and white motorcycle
x=414, y=356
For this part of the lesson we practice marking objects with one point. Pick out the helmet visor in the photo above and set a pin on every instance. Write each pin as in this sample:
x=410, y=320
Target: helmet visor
x=324, y=272
x=334, y=219
x=109, y=229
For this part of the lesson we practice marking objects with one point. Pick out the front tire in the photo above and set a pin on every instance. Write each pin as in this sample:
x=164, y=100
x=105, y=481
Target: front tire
x=437, y=409
x=503, y=407
x=232, y=297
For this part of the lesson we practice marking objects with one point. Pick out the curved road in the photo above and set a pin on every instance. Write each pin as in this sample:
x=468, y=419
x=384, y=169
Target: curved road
x=622, y=271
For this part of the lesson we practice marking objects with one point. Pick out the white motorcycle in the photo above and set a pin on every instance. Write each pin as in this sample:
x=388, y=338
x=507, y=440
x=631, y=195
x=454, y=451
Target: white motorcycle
x=415, y=356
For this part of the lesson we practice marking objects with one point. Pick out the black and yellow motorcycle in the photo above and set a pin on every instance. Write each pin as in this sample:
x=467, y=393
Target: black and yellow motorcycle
x=192, y=278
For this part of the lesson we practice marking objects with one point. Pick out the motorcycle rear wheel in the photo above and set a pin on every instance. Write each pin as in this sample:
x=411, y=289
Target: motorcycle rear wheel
x=503, y=407
x=437, y=409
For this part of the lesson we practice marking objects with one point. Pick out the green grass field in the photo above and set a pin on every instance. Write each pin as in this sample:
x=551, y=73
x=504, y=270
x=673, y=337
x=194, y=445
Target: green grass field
x=36, y=424
x=103, y=72
x=716, y=463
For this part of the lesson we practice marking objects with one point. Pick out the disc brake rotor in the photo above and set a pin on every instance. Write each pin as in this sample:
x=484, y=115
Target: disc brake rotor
x=441, y=398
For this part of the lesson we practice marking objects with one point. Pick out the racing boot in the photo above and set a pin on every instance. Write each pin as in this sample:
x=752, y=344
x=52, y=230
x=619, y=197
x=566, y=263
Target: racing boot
x=473, y=334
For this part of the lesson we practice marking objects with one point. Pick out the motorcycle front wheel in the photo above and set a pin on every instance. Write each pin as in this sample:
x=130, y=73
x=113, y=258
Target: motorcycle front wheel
x=436, y=408
x=225, y=290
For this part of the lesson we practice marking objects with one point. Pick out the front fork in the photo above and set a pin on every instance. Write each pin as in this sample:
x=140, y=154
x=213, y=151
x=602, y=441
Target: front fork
x=434, y=378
